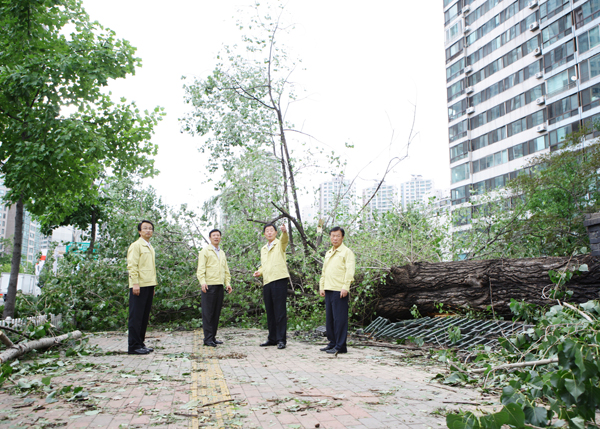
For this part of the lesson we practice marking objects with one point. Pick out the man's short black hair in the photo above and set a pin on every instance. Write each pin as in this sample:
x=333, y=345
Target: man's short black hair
x=144, y=221
x=268, y=225
x=214, y=230
x=338, y=228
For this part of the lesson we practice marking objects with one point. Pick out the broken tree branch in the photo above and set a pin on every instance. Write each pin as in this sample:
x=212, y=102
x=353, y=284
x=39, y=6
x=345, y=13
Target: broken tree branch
x=20, y=349
x=5, y=340
x=572, y=307
x=517, y=365
x=14, y=331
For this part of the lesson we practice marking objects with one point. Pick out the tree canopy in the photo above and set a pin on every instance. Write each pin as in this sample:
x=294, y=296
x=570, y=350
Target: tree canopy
x=59, y=130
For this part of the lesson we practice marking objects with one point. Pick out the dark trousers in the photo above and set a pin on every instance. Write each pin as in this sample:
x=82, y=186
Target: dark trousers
x=211, y=302
x=139, y=313
x=275, y=297
x=336, y=320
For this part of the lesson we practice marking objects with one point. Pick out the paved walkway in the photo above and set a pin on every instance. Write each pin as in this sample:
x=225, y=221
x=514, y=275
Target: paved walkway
x=236, y=385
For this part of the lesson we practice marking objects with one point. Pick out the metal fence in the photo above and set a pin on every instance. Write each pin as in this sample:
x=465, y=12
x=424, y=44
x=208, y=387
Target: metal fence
x=437, y=330
x=56, y=320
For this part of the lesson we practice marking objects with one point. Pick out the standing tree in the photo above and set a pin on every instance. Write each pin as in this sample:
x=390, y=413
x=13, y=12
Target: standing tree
x=241, y=108
x=58, y=131
x=557, y=190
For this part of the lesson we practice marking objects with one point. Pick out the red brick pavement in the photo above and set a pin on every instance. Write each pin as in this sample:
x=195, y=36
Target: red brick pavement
x=256, y=387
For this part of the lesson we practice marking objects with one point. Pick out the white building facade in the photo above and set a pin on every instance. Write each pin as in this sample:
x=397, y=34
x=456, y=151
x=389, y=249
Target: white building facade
x=520, y=75
x=381, y=200
x=338, y=194
x=414, y=190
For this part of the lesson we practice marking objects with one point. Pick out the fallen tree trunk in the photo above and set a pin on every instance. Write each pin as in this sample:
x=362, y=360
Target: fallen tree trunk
x=482, y=285
x=16, y=350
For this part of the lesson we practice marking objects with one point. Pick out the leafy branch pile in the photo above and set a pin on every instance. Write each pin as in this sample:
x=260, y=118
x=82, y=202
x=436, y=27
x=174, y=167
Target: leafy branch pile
x=549, y=375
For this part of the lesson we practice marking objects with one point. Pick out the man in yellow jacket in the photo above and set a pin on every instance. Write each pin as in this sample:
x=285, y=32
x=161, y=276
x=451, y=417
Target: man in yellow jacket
x=213, y=274
x=275, y=284
x=142, y=279
x=338, y=274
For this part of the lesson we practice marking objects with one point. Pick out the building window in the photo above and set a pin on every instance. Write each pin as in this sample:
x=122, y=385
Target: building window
x=559, y=56
x=551, y=8
x=455, y=69
x=454, y=50
x=529, y=147
x=460, y=173
x=457, y=110
x=458, y=131
x=557, y=137
x=586, y=13
x=490, y=161
x=588, y=40
x=452, y=12
x=565, y=108
x=557, y=30
x=561, y=82
x=589, y=68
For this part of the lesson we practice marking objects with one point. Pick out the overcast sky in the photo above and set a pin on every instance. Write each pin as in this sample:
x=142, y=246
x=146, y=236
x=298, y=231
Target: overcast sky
x=365, y=68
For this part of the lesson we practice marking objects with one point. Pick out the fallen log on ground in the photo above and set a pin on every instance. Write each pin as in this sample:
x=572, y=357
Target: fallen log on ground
x=16, y=350
x=482, y=286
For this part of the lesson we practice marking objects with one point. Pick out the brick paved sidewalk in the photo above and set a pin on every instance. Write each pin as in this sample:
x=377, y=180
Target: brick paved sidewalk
x=236, y=385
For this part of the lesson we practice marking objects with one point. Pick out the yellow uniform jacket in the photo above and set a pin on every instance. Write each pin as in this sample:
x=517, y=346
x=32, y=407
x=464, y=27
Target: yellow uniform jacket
x=273, y=261
x=338, y=269
x=141, y=264
x=213, y=269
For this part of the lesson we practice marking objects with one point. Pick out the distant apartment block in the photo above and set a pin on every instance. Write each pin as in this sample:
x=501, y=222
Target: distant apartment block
x=308, y=213
x=384, y=199
x=439, y=198
x=337, y=194
x=414, y=190
x=520, y=75
x=32, y=237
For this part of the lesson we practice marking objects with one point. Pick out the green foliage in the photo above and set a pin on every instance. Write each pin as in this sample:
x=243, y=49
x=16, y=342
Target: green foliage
x=564, y=392
x=60, y=130
x=454, y=334
x=559, y=190
x=414, y=311
x=53, y=58
x=35, y=373
x=540, y=212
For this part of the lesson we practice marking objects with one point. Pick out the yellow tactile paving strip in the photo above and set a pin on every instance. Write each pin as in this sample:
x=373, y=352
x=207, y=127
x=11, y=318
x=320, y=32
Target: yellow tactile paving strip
x=209, y=387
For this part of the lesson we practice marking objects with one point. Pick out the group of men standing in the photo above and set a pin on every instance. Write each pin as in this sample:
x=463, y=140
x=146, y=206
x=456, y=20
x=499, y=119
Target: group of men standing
x=214, y=277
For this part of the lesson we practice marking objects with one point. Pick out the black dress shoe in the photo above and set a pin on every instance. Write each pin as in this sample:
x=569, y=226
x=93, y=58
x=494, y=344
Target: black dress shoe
x=324, y=349
x=150, y=349
x=140, y=351
x=211, y=344
x=281, y=345
x=218, y=342
x=268, y=343
x=332, y=351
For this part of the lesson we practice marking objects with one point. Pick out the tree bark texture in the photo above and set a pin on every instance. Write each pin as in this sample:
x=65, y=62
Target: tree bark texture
x=17, y=350
x=482, y=284
x=15, y=263
x=93, y=233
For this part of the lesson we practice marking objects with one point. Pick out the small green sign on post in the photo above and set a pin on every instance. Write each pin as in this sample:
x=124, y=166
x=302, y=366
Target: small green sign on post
x=79, y=247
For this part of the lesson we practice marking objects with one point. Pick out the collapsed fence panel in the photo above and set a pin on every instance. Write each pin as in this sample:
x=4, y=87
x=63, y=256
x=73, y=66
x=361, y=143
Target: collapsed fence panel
x=460, y=332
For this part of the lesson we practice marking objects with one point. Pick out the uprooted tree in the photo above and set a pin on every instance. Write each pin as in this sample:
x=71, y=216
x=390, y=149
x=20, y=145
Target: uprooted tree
x=485, y=286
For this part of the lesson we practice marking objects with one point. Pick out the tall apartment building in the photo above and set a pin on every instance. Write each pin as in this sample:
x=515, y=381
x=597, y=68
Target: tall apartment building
x=337, y=194
x=384, y=199
x=32, y=238
x=3, y=213
x=414, y=190
x=520, y=76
